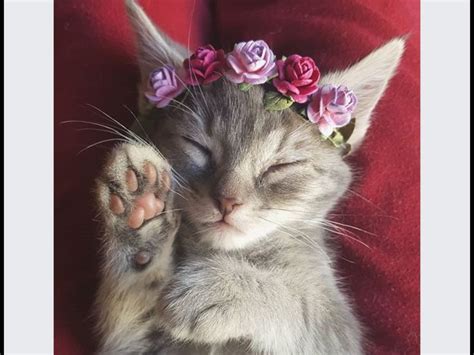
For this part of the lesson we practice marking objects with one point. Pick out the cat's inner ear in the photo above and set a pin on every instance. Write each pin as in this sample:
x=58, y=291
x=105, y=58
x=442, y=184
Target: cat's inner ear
x=154, y=47
x=368, y=79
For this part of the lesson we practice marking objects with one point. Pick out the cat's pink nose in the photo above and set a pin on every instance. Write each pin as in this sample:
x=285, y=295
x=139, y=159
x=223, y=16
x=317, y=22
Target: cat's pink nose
x=227, y=205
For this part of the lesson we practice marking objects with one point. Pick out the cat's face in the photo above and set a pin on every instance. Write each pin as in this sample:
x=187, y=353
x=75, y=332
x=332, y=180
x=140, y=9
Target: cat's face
x=246, y=172
x=243, y=172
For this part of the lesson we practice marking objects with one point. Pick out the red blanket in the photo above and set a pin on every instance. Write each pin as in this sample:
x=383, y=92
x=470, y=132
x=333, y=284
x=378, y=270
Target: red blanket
x=94, y=64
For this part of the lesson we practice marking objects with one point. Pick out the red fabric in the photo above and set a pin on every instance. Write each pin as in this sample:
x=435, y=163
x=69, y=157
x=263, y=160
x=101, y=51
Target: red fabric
x=95, y=64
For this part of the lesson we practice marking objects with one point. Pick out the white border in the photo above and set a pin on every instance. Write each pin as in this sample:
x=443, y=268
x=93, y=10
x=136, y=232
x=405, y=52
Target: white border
x=28, y=203
x=445, y=175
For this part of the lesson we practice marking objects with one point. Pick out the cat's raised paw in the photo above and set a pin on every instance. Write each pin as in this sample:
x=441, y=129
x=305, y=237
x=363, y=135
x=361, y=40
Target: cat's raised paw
x=147, y=203
x=135, y=184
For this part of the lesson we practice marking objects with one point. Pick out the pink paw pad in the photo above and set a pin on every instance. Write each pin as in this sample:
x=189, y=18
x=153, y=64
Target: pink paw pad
x=132, y=181
x=146, y=205
x=136, y=217
x=150, y=173
x=116, y=205
x=142, y=258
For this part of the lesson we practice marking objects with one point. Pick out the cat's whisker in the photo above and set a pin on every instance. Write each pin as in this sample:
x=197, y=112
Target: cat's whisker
x=332, y=229
x=308, y=239
x=101, y=142
x=94, y=130
x=310, y=214
x=340, y=231
x=201, y=95
x=181, y=184
x=338, y=225
x=97, y=130
x=287, y=210
x=147, y=137
x=368, y=201
x=180, y=195
x=120, y=125
x=128, y=140
x=116, y=129
x=178, y=107
x=204, y=230
x=353, y=227
x=360, y=215
x=110, y=129
x=186, y=107
x=295, y=237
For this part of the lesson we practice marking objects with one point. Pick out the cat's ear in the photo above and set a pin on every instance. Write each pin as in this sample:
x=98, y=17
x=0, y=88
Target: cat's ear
x=368, y=79
x=154, y=47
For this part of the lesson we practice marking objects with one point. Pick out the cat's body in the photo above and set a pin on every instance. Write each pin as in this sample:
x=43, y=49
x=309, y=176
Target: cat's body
x=238, y=260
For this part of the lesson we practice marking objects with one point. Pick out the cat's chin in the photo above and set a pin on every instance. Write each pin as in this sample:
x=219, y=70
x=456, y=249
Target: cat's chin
x=228, y=237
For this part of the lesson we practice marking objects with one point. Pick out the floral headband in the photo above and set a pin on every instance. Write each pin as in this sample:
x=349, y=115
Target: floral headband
x=292, y=81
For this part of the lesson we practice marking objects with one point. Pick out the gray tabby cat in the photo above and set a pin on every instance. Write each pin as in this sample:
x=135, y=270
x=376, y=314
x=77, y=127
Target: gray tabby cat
x=229, y=254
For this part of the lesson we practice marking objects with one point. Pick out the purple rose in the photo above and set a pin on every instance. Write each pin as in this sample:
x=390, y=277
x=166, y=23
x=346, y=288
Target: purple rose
x=297, y=77
x=165, y=86
x=331, y=107
x=204, y=66
x=251, y=62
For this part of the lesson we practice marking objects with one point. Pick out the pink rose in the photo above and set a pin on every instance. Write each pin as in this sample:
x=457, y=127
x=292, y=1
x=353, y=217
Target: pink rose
x=297, y=77
x=331, y=107
x=251, y=62
x=204, y=66
x=165, y=86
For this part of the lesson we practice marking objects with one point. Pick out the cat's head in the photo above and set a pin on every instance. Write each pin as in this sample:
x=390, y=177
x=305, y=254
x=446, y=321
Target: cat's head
x=242, y=172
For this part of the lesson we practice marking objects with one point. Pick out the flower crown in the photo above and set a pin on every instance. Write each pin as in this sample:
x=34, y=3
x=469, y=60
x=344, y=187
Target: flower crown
x=292, y=82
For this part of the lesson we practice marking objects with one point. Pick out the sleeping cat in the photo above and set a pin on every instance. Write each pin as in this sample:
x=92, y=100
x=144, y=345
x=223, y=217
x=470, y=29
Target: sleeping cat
x=213, y=219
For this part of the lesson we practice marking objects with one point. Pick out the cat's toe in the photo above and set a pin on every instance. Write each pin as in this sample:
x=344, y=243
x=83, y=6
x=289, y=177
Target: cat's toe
x=150, y=173
x=136, y=217
x=148, y=189
x=116, y=205
x=131, y=180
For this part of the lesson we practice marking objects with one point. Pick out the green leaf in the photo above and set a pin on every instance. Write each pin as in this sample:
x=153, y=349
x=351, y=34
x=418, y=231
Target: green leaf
x=336, y=138
x=340, y=136
x=274, y=101
x=245, y=86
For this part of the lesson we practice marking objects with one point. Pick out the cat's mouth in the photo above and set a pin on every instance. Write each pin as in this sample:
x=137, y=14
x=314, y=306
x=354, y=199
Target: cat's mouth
x=224, y=225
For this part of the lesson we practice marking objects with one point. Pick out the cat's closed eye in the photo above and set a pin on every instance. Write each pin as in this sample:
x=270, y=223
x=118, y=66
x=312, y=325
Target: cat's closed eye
x=282, y=167
x=198, y=153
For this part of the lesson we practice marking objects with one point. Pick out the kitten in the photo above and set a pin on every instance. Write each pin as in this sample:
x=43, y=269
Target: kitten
x=226, y=255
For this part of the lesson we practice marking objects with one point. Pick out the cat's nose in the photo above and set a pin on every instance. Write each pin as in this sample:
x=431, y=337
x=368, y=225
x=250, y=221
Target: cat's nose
x=227, y=204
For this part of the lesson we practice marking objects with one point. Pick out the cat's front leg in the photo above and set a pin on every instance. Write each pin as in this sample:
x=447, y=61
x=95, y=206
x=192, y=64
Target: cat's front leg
x=218, y=299
x=139, y=227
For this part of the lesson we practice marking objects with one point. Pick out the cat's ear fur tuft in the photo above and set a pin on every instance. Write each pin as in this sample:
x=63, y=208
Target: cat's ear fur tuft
x=368, y=78
x=154, y=47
